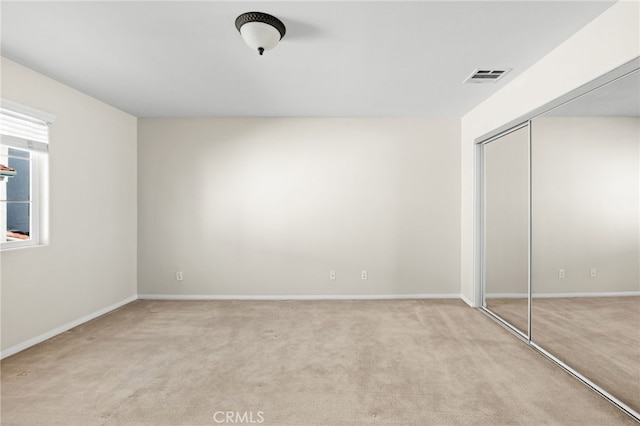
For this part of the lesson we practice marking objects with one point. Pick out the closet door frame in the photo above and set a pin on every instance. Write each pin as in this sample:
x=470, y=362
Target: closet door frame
x=526, y=336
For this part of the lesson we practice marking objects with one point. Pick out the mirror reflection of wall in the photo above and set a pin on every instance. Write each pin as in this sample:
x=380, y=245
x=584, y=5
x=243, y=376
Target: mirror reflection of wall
x=506, y=213
x=586, y=236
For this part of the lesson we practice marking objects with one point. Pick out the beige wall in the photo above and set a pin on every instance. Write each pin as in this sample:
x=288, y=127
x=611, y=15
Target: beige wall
x=585, y=204
x=601, y=46
x=90, y=261
x=270, y=206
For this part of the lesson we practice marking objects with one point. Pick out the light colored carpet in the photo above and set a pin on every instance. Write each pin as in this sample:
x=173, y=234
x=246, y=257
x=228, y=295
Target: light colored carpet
x=403, y=362
x=598, y=336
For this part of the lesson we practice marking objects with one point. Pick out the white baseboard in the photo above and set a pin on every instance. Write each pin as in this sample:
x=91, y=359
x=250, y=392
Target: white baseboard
x=587, y=294
x=296, y=296
x=467, y=301
x=562, y=295
x=58, y=330
x=506, y=295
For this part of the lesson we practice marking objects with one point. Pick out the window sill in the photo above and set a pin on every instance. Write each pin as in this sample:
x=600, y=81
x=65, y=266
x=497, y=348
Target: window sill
x=19, y=244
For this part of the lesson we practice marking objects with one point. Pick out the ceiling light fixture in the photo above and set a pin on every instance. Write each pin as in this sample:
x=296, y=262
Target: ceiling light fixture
x=260, y=31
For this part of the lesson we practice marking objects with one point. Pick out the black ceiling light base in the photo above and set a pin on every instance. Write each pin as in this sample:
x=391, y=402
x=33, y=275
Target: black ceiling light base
x=261, y=17
x=260, y=31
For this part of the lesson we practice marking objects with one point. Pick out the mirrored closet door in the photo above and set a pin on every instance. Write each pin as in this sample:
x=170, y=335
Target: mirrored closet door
x=506, y=227
x=560, y=251
x=586, y=236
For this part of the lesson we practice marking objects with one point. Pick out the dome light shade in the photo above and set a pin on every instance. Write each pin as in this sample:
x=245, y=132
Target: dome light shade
x=260, y=31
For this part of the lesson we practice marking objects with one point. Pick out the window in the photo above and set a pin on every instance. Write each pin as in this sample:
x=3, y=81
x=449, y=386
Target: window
x=24, y=147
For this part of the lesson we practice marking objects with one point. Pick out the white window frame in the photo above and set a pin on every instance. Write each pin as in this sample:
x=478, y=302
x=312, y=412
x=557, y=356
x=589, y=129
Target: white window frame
x=39, y=157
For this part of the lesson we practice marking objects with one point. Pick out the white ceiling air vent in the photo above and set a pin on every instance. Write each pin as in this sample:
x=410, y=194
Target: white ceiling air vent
x=486, y=76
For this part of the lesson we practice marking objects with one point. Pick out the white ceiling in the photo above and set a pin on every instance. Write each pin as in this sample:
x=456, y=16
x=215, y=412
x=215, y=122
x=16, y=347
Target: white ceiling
x=356, y=59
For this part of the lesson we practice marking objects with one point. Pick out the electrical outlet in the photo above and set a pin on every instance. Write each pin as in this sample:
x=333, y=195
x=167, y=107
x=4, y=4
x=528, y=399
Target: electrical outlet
x=593, y=272
x=178, y=276
x=364, y=275
x=332, y=275
x=560, y=273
